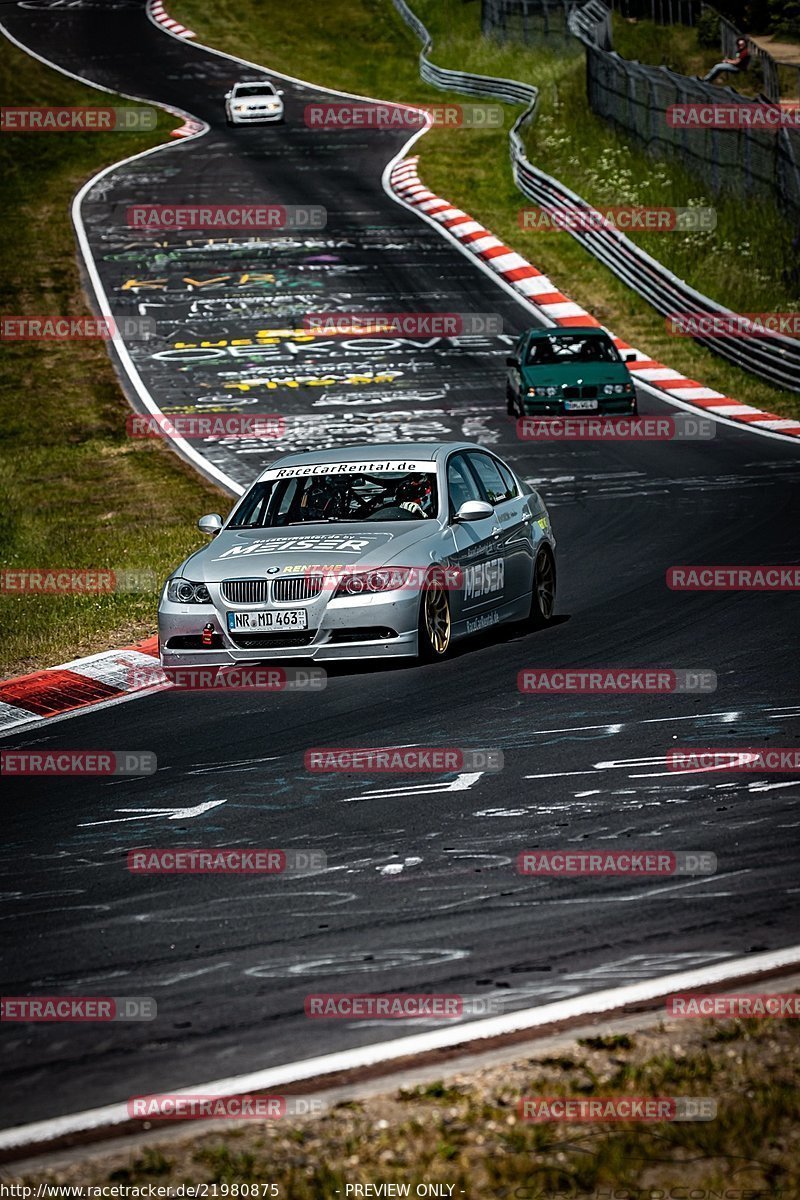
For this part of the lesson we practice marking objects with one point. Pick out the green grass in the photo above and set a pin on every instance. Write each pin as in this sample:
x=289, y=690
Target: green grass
x=75, y=491
x=747, y=264
x=616, y=1041
x=673, y=46
x=464, y=1131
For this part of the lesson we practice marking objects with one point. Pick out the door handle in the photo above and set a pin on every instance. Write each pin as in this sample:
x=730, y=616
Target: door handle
x=496, y=531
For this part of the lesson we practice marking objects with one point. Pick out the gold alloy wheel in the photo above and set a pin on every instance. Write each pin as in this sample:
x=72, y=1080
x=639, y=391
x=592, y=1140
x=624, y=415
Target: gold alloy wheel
x=545, y=585
x=437, y=620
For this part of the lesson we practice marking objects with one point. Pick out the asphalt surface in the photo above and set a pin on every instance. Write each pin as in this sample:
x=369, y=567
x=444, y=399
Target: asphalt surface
x=421, y=892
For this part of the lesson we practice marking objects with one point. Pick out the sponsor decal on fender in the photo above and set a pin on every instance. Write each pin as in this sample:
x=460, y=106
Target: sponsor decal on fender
x=484, y=578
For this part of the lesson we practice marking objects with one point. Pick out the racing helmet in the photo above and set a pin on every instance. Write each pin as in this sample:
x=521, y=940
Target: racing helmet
x=415, y=491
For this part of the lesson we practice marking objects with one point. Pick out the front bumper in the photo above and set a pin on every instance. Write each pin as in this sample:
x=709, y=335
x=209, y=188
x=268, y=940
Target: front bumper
x=353, y=627
x=256, y=118
x=606, y=406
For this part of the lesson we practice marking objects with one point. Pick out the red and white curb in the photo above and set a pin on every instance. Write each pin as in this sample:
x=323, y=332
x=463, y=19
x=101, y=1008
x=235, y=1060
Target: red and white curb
x=159, y=16
x=558, y=308
x=188, y=129
x=85, y=681
x=155, y=9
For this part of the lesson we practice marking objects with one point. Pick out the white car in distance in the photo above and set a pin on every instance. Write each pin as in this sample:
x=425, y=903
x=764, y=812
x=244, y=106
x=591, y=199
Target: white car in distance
x=253, y=101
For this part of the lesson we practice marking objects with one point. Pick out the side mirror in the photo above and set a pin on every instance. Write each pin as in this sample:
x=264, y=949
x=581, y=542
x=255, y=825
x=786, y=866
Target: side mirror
x=228, y=95
x=474, y=510
x=211, y=524
x=511, y=361
x=280, y=91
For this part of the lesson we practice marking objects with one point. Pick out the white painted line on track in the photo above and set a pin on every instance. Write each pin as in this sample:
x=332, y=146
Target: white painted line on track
x=590, y=1004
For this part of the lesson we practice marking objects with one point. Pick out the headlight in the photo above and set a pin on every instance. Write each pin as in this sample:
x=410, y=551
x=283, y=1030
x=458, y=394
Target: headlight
x=543, y=391
x=362, y=583
x=183, y=591
x=240, y=108
x=617, y=389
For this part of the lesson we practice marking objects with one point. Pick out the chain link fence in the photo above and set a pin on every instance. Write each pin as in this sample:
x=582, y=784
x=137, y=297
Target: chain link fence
x=528, y=21
x=661, y=12
x=635, y=97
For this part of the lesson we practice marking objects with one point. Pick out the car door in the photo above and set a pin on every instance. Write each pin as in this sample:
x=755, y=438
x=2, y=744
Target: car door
x=513, y=514
x=477, y=552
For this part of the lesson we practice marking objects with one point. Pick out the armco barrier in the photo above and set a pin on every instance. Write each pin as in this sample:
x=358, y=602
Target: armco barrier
x=775, y=359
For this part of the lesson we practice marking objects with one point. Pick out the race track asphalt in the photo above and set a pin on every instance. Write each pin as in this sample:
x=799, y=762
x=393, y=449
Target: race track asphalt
x=420, y=892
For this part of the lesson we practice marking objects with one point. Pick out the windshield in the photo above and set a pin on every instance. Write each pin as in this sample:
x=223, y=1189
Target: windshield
x=254, y=89
x=386, y=496
x=577, y=348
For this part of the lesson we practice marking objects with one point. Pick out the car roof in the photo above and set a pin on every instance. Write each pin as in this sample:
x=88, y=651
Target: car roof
x=254, y=83
x=389, y=451
x=582, y=330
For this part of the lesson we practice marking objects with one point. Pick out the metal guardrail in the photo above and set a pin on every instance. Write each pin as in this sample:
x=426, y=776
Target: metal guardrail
x=592, y=22
x=775, y=359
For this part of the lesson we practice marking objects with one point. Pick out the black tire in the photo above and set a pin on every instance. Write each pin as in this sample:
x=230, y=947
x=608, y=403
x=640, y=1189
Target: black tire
x=435, y=632
x=543, y=590
x=511, y=402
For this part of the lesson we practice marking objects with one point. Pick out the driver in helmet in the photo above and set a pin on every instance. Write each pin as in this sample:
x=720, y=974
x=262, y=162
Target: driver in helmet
x=415, y=495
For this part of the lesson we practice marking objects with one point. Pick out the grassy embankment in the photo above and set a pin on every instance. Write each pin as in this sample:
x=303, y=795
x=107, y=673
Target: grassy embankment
x=465, y=1131
x=75, y=491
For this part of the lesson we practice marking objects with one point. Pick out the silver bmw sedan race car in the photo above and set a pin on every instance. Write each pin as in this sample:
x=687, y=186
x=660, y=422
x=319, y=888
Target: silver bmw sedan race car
x=363, y=552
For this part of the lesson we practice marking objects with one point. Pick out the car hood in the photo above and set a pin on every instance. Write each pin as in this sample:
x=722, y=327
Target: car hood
x=256, y=553
x=569, y=373
x=255, y=100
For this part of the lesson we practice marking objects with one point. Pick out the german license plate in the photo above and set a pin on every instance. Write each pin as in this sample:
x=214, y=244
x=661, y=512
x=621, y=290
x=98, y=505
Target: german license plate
x=580, y=405
x=249, y=622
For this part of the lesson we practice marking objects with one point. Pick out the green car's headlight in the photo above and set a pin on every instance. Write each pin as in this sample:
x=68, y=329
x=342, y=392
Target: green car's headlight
x=183, y=591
